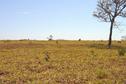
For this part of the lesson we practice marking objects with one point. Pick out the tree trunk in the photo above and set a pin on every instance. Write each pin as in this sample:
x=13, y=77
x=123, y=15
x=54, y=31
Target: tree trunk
x=110, y=35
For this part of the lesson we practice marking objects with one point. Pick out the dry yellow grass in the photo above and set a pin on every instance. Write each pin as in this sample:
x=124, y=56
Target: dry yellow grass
x=69, y=62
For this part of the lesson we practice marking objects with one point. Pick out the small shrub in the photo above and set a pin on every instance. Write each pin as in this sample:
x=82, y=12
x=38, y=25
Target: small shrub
x=121, y=52
x=93, y=54
x=57, y=43
x=101, y=74
x=46, y=57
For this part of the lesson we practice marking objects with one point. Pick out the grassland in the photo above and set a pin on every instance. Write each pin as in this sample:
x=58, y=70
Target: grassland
x=70, y=62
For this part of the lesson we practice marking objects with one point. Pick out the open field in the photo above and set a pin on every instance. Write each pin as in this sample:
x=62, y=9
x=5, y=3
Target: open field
x=70, y=62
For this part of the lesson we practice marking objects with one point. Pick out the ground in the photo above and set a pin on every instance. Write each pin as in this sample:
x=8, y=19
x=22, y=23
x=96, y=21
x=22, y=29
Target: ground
x=68, y=62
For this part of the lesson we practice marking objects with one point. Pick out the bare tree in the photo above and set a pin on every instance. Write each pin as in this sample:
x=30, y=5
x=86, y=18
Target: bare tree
x=108, y=11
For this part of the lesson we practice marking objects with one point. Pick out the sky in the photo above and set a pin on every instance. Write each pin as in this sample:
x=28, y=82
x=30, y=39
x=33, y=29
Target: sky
x=64, y=19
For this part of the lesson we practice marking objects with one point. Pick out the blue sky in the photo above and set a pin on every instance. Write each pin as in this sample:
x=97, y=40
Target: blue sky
x=64, y=19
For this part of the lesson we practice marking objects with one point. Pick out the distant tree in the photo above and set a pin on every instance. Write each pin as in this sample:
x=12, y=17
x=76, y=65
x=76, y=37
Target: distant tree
x=123, y=37
x=108, y=11
x=50, y=37
x=79, y=39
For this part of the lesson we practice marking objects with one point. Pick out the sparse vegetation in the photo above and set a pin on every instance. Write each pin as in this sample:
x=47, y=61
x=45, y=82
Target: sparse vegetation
x=23, y=63
x=121, y=52
x=46, y=56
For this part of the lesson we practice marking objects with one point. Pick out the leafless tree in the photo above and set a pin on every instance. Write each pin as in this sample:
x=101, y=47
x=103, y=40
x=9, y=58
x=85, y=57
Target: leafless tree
x=108, y=11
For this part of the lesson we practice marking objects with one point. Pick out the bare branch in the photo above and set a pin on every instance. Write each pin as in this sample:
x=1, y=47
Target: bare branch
x=108, y=11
